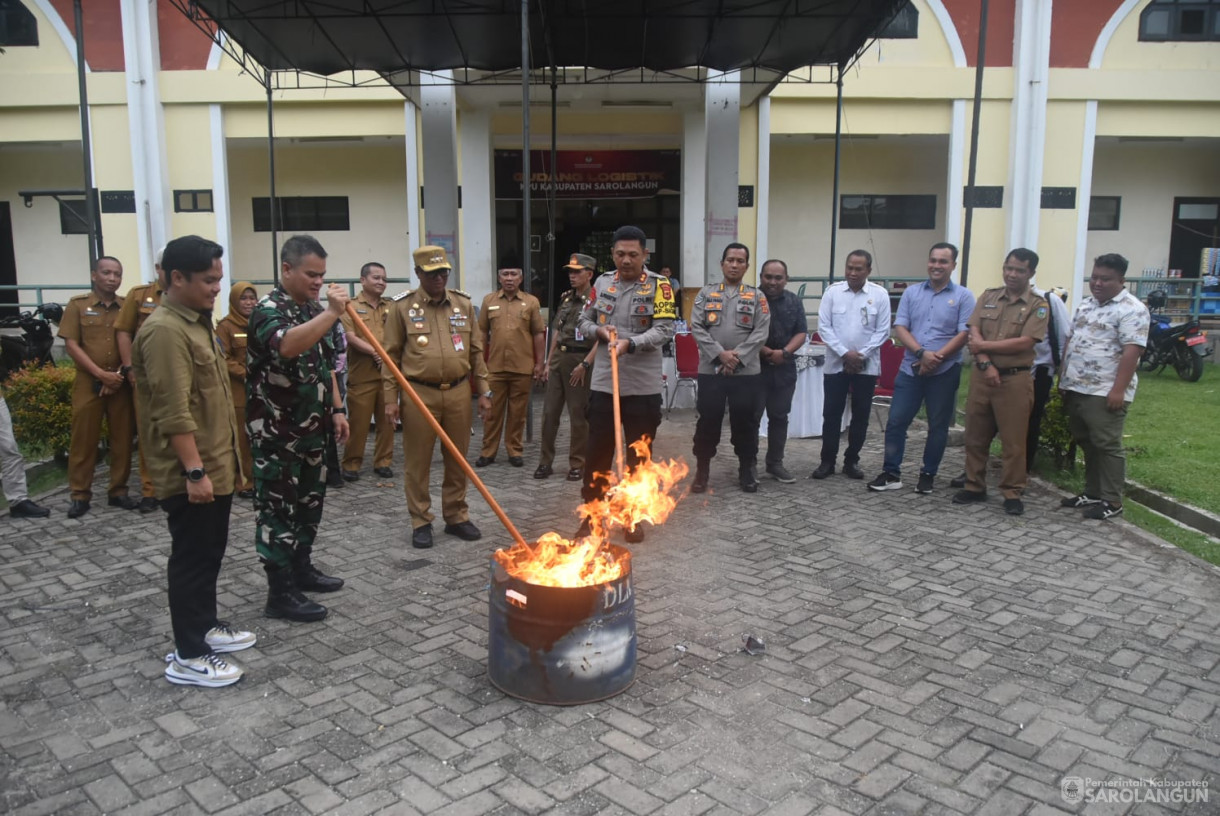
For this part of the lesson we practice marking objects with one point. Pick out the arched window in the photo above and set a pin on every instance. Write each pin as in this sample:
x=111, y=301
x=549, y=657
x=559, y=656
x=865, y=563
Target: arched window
x=17, y=24
x=1181, y=21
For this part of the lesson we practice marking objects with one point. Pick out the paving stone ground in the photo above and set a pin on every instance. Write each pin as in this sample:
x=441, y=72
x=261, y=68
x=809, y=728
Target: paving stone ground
x=922, y=658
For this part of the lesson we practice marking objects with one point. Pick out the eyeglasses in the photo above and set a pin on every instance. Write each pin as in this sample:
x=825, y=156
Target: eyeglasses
x=435, y=273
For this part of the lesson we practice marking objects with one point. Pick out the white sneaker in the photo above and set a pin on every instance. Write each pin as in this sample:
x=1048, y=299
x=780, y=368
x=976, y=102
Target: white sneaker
x=209, y=670
x=224, y=638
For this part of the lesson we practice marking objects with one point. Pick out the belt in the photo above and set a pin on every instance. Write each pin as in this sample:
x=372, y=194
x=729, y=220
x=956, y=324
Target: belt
x=438, y=386
x=1013, y=370
x=565, y=347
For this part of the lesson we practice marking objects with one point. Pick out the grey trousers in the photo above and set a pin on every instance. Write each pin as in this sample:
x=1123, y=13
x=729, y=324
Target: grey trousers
x=1099, y=433
x=12, y=466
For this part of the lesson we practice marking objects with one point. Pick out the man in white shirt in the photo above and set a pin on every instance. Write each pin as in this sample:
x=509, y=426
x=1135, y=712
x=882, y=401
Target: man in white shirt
x=853, y=322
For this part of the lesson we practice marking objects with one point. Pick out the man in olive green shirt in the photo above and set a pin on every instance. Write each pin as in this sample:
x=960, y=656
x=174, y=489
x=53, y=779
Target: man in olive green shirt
x=192, y=456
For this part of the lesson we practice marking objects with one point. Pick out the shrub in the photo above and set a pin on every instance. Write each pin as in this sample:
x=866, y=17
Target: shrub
x=1056, y=438
x=40, y=400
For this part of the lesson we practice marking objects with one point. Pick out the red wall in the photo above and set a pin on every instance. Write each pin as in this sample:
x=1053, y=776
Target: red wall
x=183, y=45
x=103, y=31
x=1001, y=15
x=1075, y=25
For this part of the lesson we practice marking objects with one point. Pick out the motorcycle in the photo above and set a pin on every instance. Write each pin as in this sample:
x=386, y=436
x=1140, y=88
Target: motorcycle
x=33, y=346
x=1182, y=346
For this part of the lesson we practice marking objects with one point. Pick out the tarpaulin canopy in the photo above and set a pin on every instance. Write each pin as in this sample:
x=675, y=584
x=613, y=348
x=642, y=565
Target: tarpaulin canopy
x=763, y=38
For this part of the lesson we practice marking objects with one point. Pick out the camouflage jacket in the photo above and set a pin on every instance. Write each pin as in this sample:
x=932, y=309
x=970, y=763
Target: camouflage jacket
x=287, y=399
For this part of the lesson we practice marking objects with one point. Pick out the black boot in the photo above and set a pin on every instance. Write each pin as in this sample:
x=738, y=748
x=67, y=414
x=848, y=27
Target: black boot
x=747, y=476
x=701, y=476
x=307, y=578
x=286, y=601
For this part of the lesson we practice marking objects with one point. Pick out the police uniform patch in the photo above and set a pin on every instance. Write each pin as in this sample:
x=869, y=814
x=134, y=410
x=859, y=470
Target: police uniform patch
x=1041, y=313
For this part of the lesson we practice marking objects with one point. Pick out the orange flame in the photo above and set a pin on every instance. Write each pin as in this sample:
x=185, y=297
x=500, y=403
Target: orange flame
x=644, y=495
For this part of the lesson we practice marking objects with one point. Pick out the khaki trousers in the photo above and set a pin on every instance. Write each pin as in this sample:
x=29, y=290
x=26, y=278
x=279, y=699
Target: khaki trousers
x=1002, y=409
x=365, y=404
x=560, y=393
x=453, y=411
x=510, y=393
x=88, y=409
x=243, y=444
x=146, y=486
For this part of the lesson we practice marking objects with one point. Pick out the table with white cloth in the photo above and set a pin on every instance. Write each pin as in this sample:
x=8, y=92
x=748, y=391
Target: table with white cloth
x=805, y=418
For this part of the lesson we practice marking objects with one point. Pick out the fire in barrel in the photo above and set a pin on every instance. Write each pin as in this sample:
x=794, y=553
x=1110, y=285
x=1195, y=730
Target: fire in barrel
x=562, y=613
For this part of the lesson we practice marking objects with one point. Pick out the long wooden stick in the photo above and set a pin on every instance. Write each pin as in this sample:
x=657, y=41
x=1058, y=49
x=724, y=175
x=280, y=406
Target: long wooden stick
x=618, y=411
x=458, y=455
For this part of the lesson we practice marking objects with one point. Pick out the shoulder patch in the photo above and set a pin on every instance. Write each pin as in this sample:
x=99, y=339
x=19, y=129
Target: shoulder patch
x=460, y=292
x=402, y=295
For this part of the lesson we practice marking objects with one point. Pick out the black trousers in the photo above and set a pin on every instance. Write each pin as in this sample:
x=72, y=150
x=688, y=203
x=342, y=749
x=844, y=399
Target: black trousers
x=1044, y=380
x=199, y=534
x=778, y=388
x=641, y=416
x=742, y=394
x=835, y=390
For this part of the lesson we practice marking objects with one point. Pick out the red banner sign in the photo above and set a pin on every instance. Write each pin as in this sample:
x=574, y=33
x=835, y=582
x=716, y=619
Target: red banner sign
x=590, y=173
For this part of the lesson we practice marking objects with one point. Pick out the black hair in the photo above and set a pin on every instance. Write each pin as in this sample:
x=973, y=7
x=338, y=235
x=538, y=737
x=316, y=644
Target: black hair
x=190, y=255
x=1112, y=260
x=364, y=270
x=945, y=245
x=735, y=245
x=767, y=263
x=1024, y=255
x=297, y=247
x=868, y=256
x=93, y=268
x=629, y=233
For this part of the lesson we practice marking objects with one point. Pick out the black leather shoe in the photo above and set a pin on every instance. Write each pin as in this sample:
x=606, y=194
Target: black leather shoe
x=576, y=474
x=245, y=494
x=28, y=509
x=969, y=497
x=958, y=481
x=383, y=472
x=148, y=504
x=284, y=599
x=543, y=472
x=1014, y=507
x=823, y=470
x=516, y=461
x=484, y=461
x=421, y=537
x=307, y=578
x=635, y=536
x=852, y=471
x=125, y=502
x=464, y=530
x=747, y=478
x=702, y=474
x=351, y=475
x=77, y=508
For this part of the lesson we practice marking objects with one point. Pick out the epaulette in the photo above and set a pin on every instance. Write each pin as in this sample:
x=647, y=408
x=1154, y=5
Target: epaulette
x=81, y=297
x=463, y=294
x=402, y=295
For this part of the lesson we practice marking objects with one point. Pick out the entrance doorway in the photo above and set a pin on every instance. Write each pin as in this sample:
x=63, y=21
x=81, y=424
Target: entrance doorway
x=1196, y=226
x=8, y=261
x=585, y=225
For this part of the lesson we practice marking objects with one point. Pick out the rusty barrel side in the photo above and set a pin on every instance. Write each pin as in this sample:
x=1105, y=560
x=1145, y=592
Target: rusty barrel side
x=561, y=645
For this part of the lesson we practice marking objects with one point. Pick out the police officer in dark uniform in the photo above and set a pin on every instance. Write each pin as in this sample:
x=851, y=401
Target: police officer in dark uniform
x=569, y=361
x=1006, y=324
x=730, y=321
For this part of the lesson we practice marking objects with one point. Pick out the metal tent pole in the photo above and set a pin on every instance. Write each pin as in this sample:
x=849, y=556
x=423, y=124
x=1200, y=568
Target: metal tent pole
x=834, y=203
x=525, y=143
x=974, y=140
x=274, y=203
x=91, y=214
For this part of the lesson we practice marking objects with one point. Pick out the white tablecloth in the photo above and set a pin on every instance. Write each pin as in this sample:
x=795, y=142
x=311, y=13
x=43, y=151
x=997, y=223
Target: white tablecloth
x=805, y=419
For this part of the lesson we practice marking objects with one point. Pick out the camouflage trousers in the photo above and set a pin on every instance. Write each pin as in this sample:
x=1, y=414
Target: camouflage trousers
x=289, y=488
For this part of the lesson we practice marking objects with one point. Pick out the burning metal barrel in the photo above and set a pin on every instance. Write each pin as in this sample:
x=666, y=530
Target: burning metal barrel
x=562, y=645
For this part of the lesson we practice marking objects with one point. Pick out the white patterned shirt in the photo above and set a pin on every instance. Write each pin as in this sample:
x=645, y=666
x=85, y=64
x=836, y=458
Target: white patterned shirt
x=1095, y=345
x=854, y=321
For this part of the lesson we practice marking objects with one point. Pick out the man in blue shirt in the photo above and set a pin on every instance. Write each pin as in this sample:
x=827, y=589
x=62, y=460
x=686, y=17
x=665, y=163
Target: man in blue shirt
x=931, y=324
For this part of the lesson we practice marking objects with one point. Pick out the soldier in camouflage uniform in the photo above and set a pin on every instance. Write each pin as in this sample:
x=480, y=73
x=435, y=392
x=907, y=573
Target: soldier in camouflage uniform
x=291, y=390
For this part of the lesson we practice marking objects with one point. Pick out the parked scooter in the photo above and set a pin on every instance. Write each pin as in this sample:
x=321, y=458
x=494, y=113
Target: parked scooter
x=1182, y=346
x=33, y=346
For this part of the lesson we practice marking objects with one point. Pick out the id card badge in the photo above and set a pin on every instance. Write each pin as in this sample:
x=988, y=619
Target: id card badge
x=458, y=345
x=577, y=335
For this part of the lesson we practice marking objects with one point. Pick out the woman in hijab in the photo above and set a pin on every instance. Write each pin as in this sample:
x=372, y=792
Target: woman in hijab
x=231, y=334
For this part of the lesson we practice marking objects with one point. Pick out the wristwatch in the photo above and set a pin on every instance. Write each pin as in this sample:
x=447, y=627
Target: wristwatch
x=983, y=365
x=339, y=410
x=788, y=355
x=488, y=394
x=195, y=474
x=585, y=365
x=919, y=353
x=631, y=347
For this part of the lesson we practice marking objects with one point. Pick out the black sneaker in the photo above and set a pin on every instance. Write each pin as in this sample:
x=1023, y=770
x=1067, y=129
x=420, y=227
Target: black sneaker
x=958, y=482
x=1083, y=500
x=824, y=470
x=968, y=497
x=1014, y=507
x=852, y=471
x=780, y=474
x=924, y=485
x=885, y=481
x=1102, y=510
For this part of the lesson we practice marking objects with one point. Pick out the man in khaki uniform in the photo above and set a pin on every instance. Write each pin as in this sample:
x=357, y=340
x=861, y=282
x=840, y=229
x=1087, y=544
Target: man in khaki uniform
x=137, y=306
x=510, y=323
x=365, y=397
x=431, y=334
x=1006, y=324
x=99, y=389
x=566, y=373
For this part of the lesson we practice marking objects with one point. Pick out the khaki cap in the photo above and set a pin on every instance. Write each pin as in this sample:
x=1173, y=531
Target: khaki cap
x=431, y=258
x=582, y=262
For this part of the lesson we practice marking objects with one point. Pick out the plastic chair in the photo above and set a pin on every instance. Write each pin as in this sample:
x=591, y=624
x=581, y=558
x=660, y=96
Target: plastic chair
x=686, y=359
x=883, y=394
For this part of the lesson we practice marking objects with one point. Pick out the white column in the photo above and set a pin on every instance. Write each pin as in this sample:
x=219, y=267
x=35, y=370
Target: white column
x=478, y=205
x=220, y=190
x=414, y=236
x=694, y=192
x=957, y=164
x=1031, y=70
x=762, y=191
x=1084, y=194
x=722, y=117
x=146, y=120
x=438, y=115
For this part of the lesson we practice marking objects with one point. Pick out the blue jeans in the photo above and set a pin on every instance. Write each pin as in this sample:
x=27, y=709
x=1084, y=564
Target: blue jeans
x=939, y=395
